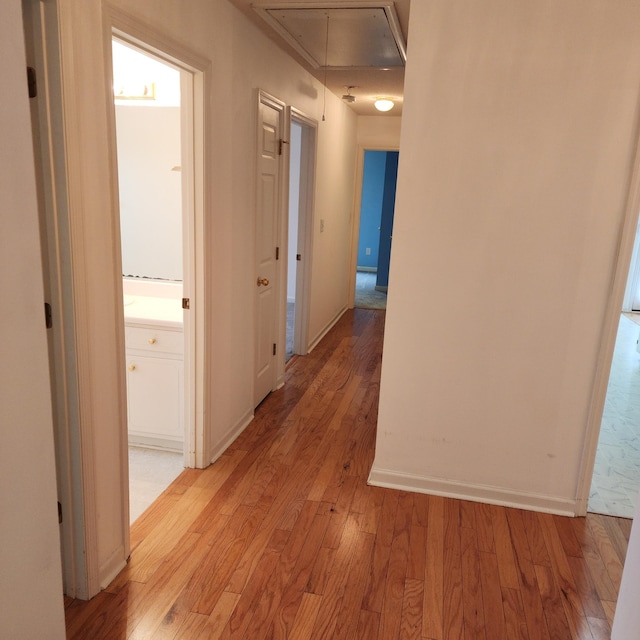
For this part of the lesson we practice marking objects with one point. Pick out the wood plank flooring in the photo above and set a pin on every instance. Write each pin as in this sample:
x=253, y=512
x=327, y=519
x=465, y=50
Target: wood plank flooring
x=282, y=537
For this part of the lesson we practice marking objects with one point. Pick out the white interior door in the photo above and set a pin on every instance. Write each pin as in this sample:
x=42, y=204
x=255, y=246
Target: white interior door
x=268, y=205
x=41, y=30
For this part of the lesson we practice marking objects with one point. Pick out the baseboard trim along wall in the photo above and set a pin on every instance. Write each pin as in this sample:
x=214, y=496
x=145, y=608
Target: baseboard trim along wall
x=230, y=436
x=326, y=330
x=476, y=493
x=112, y=567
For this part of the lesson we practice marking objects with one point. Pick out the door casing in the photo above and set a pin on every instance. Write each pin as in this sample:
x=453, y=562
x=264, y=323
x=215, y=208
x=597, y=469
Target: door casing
x=304, y=241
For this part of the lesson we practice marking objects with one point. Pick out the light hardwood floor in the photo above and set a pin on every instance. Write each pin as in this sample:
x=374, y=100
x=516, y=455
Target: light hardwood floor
x=282, y=537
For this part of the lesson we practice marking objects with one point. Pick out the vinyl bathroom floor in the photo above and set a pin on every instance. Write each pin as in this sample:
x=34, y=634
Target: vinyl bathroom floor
x=616, y=476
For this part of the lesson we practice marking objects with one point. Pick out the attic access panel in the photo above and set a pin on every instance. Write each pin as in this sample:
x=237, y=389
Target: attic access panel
x=361, y=36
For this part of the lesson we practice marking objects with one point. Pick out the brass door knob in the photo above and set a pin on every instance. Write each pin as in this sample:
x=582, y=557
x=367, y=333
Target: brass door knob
x=263, y=281
x=152, y=340
x=132, y=367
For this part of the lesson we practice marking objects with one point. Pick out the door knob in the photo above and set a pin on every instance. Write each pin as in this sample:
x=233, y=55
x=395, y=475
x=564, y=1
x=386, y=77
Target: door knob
x=263, y=281
x=132, y=367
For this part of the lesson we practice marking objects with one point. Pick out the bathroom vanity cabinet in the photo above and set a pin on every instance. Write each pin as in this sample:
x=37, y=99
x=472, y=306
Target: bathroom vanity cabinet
x=155, y=385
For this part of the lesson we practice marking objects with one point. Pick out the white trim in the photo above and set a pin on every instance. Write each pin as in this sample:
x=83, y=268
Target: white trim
x=76, y=127
x=326, y=329
x=41, y=28
x=228, y=438
x=476, y=493
x=633, y=278
x=175, y=445
x=113, y=566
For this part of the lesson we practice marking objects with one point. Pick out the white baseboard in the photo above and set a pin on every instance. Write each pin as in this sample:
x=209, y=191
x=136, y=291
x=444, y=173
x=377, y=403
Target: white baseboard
x=137, y=439
x=112, y=567
x=230, y=436
x=323, y=333
x=475, y=493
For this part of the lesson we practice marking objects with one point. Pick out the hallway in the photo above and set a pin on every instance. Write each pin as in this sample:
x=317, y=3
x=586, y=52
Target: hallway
x=283, y=538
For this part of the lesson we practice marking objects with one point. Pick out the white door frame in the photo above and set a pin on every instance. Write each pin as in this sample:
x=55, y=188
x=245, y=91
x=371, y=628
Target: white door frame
x=304, y=240
x=41, y=29
x=192, y=107
x=626, y=241
x=633, y=280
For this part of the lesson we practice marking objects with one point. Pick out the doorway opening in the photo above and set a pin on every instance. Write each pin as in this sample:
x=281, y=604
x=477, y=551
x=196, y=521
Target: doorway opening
x=615, y=483
x=379, y=178
x=153, y=137
x=302, y=151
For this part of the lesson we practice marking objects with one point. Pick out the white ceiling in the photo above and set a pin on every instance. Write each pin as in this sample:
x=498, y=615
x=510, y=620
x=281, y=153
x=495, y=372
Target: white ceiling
x=361, y=51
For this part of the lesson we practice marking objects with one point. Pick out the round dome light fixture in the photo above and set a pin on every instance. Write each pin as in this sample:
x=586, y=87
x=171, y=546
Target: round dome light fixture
x=384, y=104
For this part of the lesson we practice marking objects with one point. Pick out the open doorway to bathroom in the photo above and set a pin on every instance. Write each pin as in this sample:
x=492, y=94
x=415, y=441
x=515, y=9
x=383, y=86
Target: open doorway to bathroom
x=149, y=131
x=377, y=205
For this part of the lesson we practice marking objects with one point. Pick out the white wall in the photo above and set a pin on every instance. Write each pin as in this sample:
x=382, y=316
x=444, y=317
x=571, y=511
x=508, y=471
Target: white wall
x=30, y=579
x=150, y=191
x=518, y=133
x=379, y=132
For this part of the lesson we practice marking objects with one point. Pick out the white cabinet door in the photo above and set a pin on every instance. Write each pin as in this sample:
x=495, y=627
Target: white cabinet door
x=155, y=399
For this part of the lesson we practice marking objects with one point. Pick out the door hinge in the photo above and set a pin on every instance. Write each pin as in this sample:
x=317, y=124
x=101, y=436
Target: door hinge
x=186, y=303
x=32, y=83
x=274, y=348
x=48, y=318
x=59, y=513
x=277, y=253
x=280, y=143
x=298, y=257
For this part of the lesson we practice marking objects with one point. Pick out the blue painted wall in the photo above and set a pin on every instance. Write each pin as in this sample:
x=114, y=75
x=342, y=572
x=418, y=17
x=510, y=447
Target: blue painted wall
x=371, y=207
x=386, y=221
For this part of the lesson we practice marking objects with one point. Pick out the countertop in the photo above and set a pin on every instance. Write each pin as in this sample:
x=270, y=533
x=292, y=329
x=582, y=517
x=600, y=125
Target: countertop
x=163, y=312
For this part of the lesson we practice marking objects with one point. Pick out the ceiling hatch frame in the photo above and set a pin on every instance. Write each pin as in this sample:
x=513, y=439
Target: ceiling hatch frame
x=268, y=10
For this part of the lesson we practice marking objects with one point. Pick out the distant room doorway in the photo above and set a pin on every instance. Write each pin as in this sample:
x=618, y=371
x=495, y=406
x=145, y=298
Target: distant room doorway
x=379, y=180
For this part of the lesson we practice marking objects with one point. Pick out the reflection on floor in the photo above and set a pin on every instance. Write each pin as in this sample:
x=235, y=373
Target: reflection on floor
x=366, y=295
x=150, y=472
x=616, y=476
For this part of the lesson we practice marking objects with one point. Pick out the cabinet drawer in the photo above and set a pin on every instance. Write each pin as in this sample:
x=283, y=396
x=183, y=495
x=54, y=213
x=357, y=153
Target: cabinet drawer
x=159, y=341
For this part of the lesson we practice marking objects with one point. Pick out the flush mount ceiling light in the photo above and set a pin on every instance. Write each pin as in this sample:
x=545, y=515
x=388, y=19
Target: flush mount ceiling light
x=383, y=104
